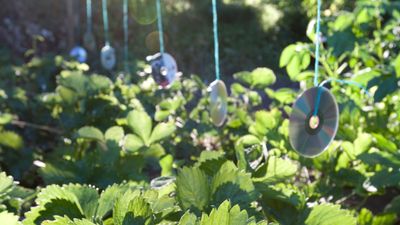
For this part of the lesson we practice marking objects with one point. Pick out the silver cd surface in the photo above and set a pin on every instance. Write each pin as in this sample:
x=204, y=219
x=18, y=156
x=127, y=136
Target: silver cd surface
x=218, y=102
x=310, y=134
x=163, y=69
x=108, y=58
x=79, y=54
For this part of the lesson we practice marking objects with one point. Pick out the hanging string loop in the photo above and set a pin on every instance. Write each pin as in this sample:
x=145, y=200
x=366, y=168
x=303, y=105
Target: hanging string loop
x=216, y=41
x=105, y=22
x=126, y=35
x=160, y=26
x=317, y=44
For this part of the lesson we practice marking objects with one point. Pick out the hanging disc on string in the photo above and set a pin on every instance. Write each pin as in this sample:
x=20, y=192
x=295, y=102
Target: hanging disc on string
x=79, y=54
x=108, y=58
x=218, y=102
x=163, y=69
x=310, y=135
x=89, y=41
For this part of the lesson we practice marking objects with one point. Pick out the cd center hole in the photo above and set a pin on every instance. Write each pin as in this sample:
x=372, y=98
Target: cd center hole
x=164, y=71
x=314, y=122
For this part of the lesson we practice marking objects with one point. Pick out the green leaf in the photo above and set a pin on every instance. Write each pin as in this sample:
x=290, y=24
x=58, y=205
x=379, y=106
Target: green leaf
x=397, y=66
x=68, y=95
x=11, y=140
x=244, y=77
x=131, y=208
x=122, y=206
x=264, y=121
x=132, y=143
x=393, y=206
x=210, y=161
x=59, y=207
x=385, y=178
x=87, y=197
x=328, y=214
x=258, y=78
x=7, y=218
x=233, y=184
x=384, y=144
x=192, y=189
x=67, y=221
x=366, y=217
x=92, y=133
x=141, y=124
x=6, y=185
x=311, y=30
x=225, y=215
x=280, y=200
x=161, y=115
x=262, y=77
x=283, y=95
x=114, y=136
x=51, y=201
x=139, y=212
x=342, y=41
x=75, y=81
x=166, y=164
x=108, y=198
x=287, y=55
x=99, y=83
x=5, y=118
x=188, y=219
x=161, y=131
x=115, y=133
x=277, y=170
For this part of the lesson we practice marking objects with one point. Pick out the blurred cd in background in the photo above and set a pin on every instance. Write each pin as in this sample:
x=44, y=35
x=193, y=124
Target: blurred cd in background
x=218, y=102
x=108, y=58
x=163, y=69
x=79, y=54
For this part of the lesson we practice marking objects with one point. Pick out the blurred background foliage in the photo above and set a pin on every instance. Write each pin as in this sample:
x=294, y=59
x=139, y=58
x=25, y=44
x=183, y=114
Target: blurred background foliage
x=252, y=32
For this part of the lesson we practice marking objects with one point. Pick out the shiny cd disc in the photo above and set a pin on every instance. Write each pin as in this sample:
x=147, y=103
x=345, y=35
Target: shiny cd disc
x=310, y=135
x=108, y=57
x=89, y=41
x=218, y=102
x=79, y=54
x=163, y=69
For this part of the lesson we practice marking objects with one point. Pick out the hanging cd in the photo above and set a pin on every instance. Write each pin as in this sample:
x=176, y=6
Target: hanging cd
x=310, y=135
x=79, y=54
x=89, y=41
x=163, y=69
x=108, y=57
x=218, y=102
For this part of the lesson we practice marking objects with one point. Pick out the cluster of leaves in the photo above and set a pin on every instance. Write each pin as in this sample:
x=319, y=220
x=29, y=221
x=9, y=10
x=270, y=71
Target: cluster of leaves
x=213, y=191
x=154, y=157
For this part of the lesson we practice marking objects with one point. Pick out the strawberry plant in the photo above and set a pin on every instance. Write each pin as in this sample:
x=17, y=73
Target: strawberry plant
x=88, y=148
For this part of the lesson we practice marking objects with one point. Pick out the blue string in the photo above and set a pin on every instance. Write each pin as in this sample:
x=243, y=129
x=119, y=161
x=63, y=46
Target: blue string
x=105, y=22
x=89, y=15
x=317, y=44
x=126, y=34
x=346, y=82
x=160, y=26
x=216, y=44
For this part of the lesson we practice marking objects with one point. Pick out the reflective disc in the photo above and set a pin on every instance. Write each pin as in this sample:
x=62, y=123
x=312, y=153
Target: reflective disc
x=311, y=135
x=108, y=57
x=79, y=54
x=218, y=102
x=163, y=69
x=89, y=41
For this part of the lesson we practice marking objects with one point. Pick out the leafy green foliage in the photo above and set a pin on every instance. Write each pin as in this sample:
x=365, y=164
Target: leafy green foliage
x=114, y=151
